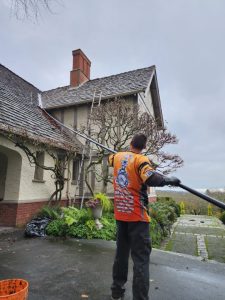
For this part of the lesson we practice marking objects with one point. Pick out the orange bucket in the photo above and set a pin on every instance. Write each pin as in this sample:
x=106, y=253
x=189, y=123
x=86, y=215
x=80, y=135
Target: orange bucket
x=14, y=289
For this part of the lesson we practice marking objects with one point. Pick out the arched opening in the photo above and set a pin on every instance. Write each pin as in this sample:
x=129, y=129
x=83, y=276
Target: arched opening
x=10, y=172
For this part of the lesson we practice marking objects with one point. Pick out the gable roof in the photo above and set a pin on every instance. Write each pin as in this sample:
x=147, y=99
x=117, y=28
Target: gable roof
x=111, y=86
x=20, y=114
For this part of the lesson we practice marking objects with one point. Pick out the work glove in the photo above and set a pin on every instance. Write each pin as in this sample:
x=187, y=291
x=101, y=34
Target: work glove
x=174, y=181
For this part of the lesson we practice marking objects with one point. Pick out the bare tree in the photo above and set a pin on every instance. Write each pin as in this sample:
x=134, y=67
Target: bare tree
x=31, y=9
x=114, y=123
x=60, y=159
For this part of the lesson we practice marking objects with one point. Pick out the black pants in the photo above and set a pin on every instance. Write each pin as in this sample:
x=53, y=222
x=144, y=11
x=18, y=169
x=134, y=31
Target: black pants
x=132, y=237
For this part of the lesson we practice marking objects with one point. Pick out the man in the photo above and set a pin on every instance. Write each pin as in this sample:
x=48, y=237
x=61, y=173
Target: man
x=132, y=174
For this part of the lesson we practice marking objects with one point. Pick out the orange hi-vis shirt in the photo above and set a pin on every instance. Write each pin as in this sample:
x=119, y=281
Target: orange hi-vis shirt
x=131, y=170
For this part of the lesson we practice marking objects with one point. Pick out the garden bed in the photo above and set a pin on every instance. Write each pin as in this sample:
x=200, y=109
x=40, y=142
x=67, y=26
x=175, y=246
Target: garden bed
x=76, y=223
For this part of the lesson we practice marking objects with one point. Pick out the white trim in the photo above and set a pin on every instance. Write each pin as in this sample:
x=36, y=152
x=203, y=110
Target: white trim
x=40, y=100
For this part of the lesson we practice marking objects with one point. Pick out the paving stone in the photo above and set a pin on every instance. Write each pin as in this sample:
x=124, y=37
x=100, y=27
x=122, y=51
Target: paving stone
x=183, y=244
x=198, y=235
x=216, y=248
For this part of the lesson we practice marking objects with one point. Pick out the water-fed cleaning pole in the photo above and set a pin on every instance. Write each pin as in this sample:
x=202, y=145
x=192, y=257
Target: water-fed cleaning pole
x=192, y=191
x=203, y=196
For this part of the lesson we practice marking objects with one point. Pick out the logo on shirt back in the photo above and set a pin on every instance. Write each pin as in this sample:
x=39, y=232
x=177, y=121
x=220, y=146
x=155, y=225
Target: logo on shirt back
x=122, y=177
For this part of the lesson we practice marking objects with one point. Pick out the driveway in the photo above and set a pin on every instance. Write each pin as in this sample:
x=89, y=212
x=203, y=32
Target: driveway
x=69, y=269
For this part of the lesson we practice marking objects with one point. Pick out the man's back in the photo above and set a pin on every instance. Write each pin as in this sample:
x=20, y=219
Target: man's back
x=130, y=193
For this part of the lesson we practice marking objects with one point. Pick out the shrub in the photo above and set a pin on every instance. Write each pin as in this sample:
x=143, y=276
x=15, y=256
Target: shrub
x=57, y=228
x=165, y=213
x=210, y=212
x=155, y=233
x=222, y=217
x=170, y=202
x=89, y=230
x=80, y=223
x=51, y=212
x=72, y=215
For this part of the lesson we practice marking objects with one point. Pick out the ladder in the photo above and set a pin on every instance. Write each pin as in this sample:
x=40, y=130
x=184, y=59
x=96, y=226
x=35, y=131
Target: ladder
x=96, y=101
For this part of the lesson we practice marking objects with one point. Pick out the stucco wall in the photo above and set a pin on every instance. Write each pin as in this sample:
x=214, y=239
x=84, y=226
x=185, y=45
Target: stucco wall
x=76, y=116
x=145, y=102
x=20, y=185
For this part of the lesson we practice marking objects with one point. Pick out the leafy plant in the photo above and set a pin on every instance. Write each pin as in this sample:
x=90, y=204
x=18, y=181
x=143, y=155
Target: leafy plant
x=53, y=212
x=93, y=203
x=80, y=223
x=156, y=233
x=222, y=217
x=89, y=230
x=57, y=228
x=170, y=202
x=100, y=199
x=72, y=215
x=164, y=213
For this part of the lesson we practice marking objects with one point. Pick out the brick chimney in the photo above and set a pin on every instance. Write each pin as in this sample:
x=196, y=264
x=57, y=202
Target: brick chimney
x=81, y=68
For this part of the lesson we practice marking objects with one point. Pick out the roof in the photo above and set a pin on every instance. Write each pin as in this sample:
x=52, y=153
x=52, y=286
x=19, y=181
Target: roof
x=20, y=114
x=111, y=86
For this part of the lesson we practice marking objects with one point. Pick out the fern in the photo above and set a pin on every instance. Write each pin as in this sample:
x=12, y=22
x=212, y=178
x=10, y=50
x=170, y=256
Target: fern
x=53, y=213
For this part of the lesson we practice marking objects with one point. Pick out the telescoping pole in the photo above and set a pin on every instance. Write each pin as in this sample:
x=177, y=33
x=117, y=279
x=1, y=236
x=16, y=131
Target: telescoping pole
x=184, y=187
x=203, y=196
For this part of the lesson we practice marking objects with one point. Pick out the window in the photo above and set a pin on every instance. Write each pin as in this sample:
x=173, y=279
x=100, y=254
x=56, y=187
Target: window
x=76, y=169
x=39, y=172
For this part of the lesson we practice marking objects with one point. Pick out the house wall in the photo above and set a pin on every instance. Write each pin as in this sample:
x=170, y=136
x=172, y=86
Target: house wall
x=76, y=116
x=29, y=189
x=23, y=195
x=147, y=106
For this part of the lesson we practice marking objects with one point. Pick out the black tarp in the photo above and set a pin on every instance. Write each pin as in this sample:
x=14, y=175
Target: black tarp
x=37, y=227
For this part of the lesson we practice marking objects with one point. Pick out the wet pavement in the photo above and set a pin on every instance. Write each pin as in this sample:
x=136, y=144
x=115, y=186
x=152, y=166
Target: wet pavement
x=69, y=269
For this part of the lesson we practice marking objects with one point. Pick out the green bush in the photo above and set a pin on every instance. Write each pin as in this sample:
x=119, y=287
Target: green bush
x=155, y=233
x=80, y=223
x=72, y=215
x=88, y=230
x=106, y=203
x=52, y=212
x=57, y=228
x=222, y=217
x=170, y=202
x=164, y=213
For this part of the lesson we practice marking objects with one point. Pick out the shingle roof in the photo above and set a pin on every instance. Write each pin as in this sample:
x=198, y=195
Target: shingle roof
x=20, y=114
x=111, y=86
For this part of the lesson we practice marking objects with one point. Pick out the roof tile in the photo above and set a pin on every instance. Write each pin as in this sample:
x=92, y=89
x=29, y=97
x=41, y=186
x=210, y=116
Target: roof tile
x=19, y=113
x=111, y=86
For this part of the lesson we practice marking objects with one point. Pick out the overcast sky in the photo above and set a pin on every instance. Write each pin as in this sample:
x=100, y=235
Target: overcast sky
x=185, y=39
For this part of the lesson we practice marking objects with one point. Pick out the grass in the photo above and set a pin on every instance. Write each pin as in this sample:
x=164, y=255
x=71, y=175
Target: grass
x=169, y=245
